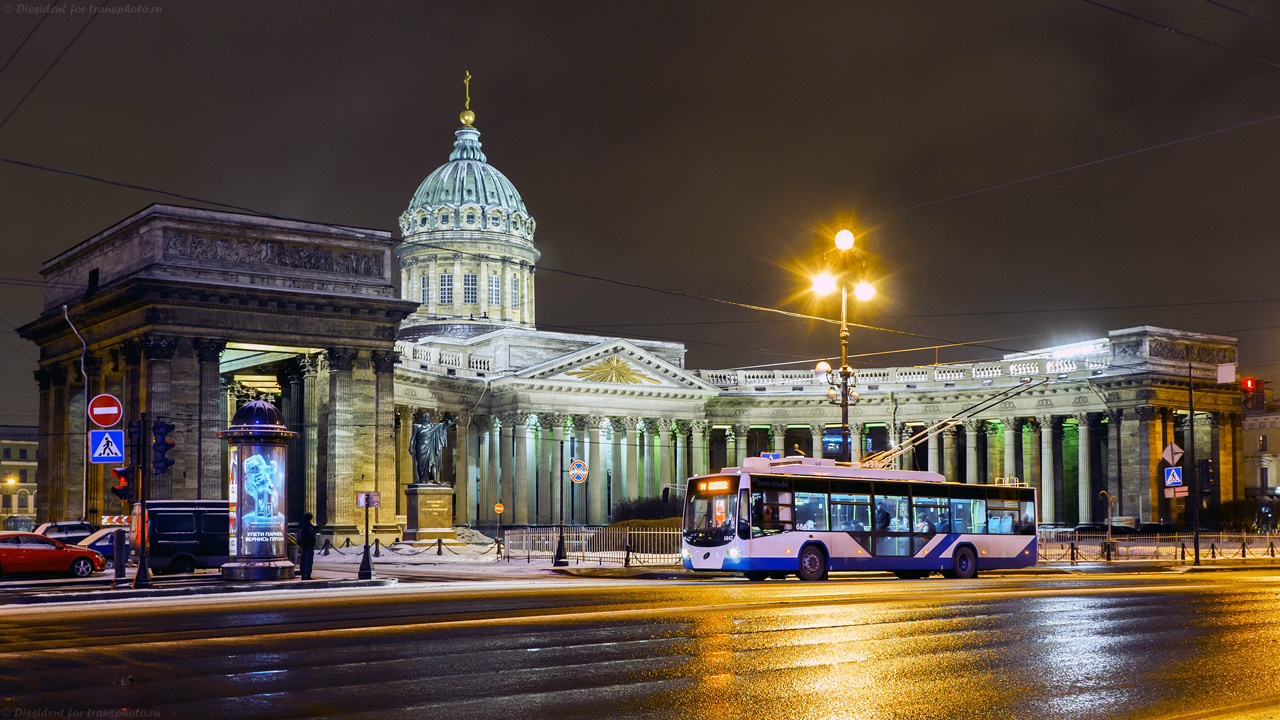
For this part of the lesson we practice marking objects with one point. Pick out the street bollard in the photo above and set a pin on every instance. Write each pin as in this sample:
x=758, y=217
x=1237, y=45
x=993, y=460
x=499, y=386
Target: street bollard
x=1184, y=551
x=626, y=560
x=1213, y=551
x=1073, y=552
x=377, y=547
x=119, y=556
x=439, y=546
x=1271, y=547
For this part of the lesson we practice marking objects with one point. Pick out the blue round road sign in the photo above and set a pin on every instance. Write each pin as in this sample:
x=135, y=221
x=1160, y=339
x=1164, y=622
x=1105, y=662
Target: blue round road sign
x=578, y=471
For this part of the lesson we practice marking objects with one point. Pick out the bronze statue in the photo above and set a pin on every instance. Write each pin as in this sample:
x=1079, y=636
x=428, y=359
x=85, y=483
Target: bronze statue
x=425, y=444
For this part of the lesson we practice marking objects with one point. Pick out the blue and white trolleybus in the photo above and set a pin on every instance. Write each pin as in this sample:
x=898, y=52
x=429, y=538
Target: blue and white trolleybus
x=806, y=516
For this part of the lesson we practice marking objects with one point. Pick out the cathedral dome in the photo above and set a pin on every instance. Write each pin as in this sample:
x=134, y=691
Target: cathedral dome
x=467, y=193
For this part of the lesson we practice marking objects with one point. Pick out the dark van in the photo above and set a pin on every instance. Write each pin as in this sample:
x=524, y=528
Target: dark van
x=184, y=534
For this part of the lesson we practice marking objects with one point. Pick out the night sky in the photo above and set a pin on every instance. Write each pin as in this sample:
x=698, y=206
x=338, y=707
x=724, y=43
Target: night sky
x=708, y=148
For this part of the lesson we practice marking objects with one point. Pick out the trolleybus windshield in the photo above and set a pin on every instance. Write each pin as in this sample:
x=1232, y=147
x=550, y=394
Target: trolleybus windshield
x=711, y=511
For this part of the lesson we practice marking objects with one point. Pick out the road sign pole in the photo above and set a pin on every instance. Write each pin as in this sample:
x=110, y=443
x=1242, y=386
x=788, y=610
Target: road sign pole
x=1193, y=495
x=562, y=557
x=143, y=578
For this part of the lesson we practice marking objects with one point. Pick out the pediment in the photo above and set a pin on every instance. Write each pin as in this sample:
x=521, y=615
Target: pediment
x=616, y=363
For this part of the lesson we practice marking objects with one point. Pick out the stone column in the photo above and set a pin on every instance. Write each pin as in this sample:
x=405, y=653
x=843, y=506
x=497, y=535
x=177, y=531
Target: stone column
x=506, y=465
x=1084, y=480
x=384, y=440
x=559, y=501
x=1048, y=510
x=579, y=496
x=665, y=466
x=484, y=495
x=336, y=500
x=632, y=425
x=617, y=484
x=546, y=470
x=51, y=483
x=740, y=443
x=159, y=358
x=778, y=433
x=464, y=502
x=815, y=438
x=680, y=441
x=857, y=440
x=650, y=478
x=404, y=455
x=1012, y=433
x=520, y=474
x=972, y=428
x=96, y=494
x=902, y=434
x=950, y=453
x=289, y=378
x=595, y=514
x=935, y=451
x=209, y=481
x=1115, y=462
x=698, y=435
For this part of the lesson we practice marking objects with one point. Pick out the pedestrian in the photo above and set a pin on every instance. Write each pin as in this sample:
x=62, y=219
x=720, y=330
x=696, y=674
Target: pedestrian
x=306, y=544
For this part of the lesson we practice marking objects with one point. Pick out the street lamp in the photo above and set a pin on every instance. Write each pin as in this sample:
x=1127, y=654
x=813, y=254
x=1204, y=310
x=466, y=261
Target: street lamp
x=842, y=393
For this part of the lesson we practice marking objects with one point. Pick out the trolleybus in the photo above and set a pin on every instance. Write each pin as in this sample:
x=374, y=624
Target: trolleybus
x=775, y=517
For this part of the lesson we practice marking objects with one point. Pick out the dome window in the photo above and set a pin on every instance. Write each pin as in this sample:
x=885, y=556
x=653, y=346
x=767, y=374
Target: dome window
x=422, y=221
x=471, y=218
x=444, y=218
x=494, y=220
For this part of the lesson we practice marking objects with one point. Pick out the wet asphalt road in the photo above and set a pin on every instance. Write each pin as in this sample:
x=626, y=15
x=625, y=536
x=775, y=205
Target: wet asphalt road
x=1115, y=646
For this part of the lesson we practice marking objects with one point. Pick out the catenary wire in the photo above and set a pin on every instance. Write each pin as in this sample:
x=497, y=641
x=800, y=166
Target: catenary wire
x=1176, y=31
x=48, y=9
x=47, y=70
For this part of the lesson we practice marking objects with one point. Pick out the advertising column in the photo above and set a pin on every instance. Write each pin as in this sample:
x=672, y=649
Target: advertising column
x=257, y=467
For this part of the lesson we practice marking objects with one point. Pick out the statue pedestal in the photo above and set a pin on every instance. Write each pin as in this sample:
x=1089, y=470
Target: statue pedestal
x=430, y=515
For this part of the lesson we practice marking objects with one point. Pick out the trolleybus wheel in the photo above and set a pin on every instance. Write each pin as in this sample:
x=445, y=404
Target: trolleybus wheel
x=813, y=563
x=755, y=575
x=965, y=564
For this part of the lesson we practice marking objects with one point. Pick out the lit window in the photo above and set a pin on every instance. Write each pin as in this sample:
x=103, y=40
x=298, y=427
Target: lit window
x=495, y=290
x=426, y=289
x=446, y=289
x=469, y=284
x=515, y=292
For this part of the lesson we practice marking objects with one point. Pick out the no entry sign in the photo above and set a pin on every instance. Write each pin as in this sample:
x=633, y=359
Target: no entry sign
x=105, y=410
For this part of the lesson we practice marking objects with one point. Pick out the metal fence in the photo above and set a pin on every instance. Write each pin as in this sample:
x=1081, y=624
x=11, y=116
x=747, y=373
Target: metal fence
x=594, y=545
x=1088, y=547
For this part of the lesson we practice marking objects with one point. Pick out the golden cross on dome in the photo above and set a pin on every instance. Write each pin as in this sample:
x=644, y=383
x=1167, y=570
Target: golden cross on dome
x=467, y=116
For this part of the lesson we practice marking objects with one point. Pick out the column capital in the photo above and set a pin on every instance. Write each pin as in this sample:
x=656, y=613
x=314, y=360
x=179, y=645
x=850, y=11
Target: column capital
x=975, y=427
x=1145, y=413
x=464, y=421
x=341, y=359
x=482, y=422
x=209, y=350
x=160, y=347
x=699, y=426
x=550, y=421
x=1114, y=416
x=580, y=422
x=384, y=361
x=92, y=365
x=817, y=429
x=132, y=349
x=740, y=430
x=650, y=425
x=778, y=429
x=630, y=423
x=1012, y=423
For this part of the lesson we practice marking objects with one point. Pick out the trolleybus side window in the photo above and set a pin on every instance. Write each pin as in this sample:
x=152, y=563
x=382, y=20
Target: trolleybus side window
x=1028, y=517
x=892, y=517
x=811, y=511
x=930, y=515
x=968, y=515
x=770, y=512
x=1002, y=516
x=850, y=512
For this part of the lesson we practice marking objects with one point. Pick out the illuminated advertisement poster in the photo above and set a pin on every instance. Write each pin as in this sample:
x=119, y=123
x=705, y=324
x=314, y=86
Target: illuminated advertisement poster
x=259, y=518
x=233, y=492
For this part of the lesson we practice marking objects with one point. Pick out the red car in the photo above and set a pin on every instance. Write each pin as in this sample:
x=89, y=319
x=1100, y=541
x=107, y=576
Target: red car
x=24, y=552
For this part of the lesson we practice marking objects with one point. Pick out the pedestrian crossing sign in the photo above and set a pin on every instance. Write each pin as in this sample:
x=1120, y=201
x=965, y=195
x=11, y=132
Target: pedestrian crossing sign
x=106, y=446
x=1173, y=477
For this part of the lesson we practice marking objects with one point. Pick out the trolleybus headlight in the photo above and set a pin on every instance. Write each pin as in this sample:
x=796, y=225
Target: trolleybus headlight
x=733, y=552
x=684, y=552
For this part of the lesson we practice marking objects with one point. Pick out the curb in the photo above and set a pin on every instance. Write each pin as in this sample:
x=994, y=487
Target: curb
x=221, y=589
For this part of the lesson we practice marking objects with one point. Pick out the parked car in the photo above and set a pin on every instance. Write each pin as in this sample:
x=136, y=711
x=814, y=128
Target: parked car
x=184, y=534
x=21, y=523
x=23, y=552
x=71, y=531
x=104, y=543
x=1100, y=528
x=1158, y=529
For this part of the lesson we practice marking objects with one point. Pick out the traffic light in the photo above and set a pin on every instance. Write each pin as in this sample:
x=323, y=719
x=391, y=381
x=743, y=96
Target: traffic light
x=1255, y=394
x=160, y=447
x=127, y=487
x=135, y=442
x=1207, y=476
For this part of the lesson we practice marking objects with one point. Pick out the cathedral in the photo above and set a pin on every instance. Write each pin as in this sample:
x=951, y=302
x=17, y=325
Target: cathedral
x=356, y=335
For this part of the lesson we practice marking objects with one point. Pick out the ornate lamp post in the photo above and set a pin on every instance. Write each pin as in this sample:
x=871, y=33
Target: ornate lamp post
x=842, y=393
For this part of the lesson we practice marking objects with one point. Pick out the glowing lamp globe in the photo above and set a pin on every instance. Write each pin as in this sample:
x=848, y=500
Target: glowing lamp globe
x=823, y=283
x=864, y=291
x=844, y=240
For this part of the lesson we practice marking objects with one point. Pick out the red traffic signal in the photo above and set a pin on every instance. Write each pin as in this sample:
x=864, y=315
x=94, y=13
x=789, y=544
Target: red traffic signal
x=1250, y=385
x=125, y=490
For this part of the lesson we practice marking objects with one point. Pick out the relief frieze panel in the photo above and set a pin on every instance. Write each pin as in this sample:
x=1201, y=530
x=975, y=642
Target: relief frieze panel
x=1190, y=353
x=257, y=251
